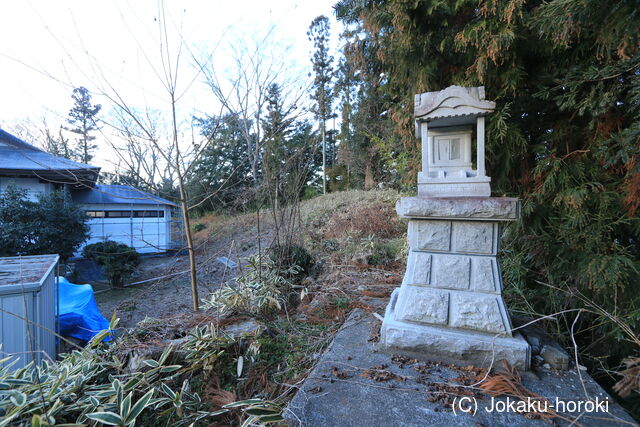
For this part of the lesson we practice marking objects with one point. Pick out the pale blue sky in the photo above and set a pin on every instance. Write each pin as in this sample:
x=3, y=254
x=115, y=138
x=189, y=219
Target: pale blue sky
x=48, y=47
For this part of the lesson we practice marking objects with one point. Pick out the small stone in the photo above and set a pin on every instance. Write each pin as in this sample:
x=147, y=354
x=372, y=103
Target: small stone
x=242, y=328
x=546, y=366
x=535, y=344
x=556, y=357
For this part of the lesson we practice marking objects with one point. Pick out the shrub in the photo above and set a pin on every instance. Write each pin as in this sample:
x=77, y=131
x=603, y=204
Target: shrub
x=117, y=259
x=384, y=253
x=89, y=387
x=198, y=227
x=52, y=225
x=379, y=220
x=263, y=289
x=284, y=256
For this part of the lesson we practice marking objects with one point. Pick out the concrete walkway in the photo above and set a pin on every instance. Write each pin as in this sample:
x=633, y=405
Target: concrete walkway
x=354, y=385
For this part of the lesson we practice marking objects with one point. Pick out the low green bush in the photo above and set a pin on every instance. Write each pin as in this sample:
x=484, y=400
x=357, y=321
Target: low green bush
x=89, y=387
x=285, y=256
x=198, y=226
x=117, y=259
x=264, y=289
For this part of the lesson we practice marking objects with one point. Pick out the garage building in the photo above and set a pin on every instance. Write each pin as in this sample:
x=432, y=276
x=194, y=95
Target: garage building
x=122, y=213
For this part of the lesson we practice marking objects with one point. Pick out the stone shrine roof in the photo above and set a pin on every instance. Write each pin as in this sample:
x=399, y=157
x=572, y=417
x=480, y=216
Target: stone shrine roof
x=452, y=106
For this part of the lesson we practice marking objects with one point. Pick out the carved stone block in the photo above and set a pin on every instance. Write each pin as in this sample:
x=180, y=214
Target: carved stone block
x=423, y=305
x=451, y=271
x=480, y=313
x=484, y=275
x=429, y=235
x=474, y=237
x=418, y=269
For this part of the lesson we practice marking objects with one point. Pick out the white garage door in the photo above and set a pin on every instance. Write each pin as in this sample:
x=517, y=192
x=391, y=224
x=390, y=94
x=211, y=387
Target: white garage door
x=145, y=230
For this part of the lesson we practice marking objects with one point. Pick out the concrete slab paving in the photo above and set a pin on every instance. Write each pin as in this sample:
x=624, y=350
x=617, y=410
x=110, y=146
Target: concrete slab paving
x=355, y=385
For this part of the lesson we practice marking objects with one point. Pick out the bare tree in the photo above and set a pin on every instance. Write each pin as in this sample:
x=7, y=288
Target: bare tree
x=245, y=94
x=159, y=142
x=177, y=152
x=43, y=135
x=137, y=155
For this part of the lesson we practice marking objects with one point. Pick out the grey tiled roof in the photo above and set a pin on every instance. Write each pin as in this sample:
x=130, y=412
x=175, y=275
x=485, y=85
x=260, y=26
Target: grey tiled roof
x=18, y=158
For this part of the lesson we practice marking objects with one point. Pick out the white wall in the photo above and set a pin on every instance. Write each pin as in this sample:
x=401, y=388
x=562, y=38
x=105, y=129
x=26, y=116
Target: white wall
x=33, y=186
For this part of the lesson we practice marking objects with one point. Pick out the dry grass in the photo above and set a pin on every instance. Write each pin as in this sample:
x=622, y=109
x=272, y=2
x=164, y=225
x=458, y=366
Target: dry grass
x=630, y=378
x=507, y=382
x=378, y=220
x=317, y=211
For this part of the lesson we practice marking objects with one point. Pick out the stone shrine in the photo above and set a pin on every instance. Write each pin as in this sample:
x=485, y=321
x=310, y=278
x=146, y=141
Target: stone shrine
x=450, y=306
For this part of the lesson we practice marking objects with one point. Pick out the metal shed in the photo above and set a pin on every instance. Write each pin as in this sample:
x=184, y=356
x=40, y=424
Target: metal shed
x=28, y=306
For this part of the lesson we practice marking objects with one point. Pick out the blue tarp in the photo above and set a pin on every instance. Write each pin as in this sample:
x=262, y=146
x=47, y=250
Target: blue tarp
x=80, y=317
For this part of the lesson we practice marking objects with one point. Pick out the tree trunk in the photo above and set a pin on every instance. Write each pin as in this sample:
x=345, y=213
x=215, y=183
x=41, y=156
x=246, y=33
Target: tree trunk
x=369, y=183
x=190, y=248
x=324, y=160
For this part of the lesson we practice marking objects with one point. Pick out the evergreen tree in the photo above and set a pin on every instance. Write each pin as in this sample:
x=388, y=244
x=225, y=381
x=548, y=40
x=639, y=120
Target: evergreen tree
x=345, y=89
x=222, y=176
x=83, y=121
x=277, y=128
x=322, y=93
x=287, y=159
x=374, y=150
x=565, y=136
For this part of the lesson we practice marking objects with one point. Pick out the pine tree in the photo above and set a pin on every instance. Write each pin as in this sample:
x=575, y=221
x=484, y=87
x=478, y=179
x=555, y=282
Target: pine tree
x=345, y=88
x=323, y=94
x=276, y=127
x=83, y=121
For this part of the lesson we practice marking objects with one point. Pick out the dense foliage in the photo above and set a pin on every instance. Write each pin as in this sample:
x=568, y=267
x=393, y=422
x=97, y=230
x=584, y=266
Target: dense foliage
x=92, y=386
x=222, y=178
x=51, y=225
x=118, y=260
x=264, y=289
x=565, y=136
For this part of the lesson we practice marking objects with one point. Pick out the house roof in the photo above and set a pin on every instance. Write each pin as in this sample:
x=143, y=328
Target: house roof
x=19, y=158
x=117, y=194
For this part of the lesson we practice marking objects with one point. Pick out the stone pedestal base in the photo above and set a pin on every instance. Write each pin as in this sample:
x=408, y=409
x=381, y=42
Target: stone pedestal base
x=450, y=304
x=451, y=345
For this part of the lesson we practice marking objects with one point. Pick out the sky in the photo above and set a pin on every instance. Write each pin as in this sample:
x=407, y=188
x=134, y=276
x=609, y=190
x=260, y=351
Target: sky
x=49, y=47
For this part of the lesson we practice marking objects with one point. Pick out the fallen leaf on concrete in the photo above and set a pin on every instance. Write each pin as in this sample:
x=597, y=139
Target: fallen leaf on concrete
x=339, y=374
x=381, y=374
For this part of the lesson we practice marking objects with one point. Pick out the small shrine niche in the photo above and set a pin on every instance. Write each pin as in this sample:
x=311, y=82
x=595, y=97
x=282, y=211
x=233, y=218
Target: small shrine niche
x=450, y=152
x=445, y=121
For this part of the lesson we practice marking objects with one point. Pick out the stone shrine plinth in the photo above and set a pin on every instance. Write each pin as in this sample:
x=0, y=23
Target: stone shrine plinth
x=450, y=306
